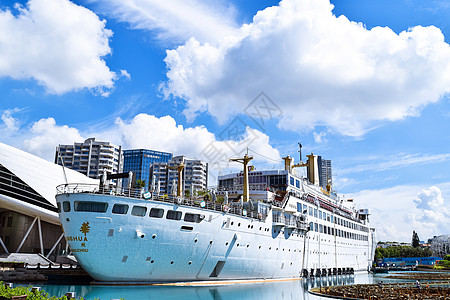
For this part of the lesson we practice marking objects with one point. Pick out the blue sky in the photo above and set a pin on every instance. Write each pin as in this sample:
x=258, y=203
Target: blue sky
x=363, y=83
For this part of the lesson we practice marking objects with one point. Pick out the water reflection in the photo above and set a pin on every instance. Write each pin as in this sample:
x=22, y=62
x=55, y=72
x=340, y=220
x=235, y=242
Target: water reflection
x=297, y=289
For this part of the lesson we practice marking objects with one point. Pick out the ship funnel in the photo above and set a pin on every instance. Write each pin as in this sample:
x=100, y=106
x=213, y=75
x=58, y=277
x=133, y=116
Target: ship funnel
x=288, y=161
x=313, y=169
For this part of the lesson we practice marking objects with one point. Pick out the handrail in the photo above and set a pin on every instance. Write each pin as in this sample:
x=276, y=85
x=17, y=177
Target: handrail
x=75, y=188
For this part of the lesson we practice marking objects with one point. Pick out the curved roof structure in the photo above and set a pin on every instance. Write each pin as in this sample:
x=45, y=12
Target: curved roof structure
x=28, y=183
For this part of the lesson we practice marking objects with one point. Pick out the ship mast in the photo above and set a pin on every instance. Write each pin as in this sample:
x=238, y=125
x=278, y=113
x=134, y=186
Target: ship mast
x=245, y=162
x=288, y=166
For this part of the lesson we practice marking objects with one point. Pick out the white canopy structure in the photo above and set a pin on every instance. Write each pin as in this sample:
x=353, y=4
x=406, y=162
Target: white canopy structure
x=32, y=183
x=28, y=186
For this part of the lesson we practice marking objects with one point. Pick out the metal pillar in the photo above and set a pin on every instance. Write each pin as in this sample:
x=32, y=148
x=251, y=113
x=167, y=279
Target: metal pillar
x=26, y=235
x=54, y=246
x=3, y=245
x=40, y=236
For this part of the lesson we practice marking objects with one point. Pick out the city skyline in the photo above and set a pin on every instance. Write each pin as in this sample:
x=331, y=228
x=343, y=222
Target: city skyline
x=364, y=84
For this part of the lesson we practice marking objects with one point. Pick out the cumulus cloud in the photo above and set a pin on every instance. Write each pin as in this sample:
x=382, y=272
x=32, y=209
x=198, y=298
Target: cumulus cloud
x=164, y=134
x=44, y=135
x=397, y=211
x=10, y=123
x=433, y=215
x=57, y=43
x=174, y=19
x=320, y=69
x=149, y=132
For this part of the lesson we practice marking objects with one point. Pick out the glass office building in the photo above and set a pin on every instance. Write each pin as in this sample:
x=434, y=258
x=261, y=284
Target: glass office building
x=139, y=162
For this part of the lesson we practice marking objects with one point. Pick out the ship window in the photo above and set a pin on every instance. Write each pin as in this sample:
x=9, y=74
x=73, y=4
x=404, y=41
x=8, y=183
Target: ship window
x=315, y=212
x=311, y=226
x=316, y=227
x=320, y=214
x=89, y=206
x=297, y=183
x=139, y=211
x=120, y=209
x=310, y=211
x=194, y=218
x=66, y=206
x=173, y=215
x=59, y=206
x=292, y=181
x=156, y=212
x=320, y=228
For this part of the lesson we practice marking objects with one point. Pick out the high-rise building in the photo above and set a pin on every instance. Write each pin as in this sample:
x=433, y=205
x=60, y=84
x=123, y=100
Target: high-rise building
x=91, y=157
x=325, y=176
x=139, y=162
x=195, y=174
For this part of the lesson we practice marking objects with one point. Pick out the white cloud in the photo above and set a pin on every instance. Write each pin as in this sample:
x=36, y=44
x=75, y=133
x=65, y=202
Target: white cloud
x=164, y=134
x=124, y=73
x=149, y=132
x=433, y=216
x=398, y=210
x=383, y=163
x=175, y=19
x=319, y=69
x=44, y=135
x=58, y=44
x=10, y=124
x=319, y=138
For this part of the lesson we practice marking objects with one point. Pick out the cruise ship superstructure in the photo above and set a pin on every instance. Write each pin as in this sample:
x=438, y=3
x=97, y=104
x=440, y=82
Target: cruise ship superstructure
x=260, y=225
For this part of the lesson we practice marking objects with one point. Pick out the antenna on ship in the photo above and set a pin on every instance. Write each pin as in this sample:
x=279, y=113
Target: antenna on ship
x=63, y=167
x=245, y=162
x=300, y=151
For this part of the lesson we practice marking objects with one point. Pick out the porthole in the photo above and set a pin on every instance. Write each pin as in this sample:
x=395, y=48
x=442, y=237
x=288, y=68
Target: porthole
x=248, y=245
x=259, y=247
x=237, y=245
x=239, y=224
x=154, y=236
x=171, y=262
x=195, y=240
x=226, y=244
x=152, y=261
x=232, y=222
x=190, y=262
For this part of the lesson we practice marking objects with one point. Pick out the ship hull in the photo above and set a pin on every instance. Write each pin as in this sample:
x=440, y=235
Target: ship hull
x=126, y=248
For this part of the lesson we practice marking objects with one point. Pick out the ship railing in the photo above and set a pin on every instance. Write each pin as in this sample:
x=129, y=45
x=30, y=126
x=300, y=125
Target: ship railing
x=291, y=222
x=251, y=186
x=278, y=220
x=144, y=195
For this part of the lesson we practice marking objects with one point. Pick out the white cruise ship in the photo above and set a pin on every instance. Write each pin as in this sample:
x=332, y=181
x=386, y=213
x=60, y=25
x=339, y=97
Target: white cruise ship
x=262, y=225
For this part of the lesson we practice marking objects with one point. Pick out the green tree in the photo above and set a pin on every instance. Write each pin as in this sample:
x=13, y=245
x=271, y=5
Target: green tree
x=415, y=240
x=140, y=183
